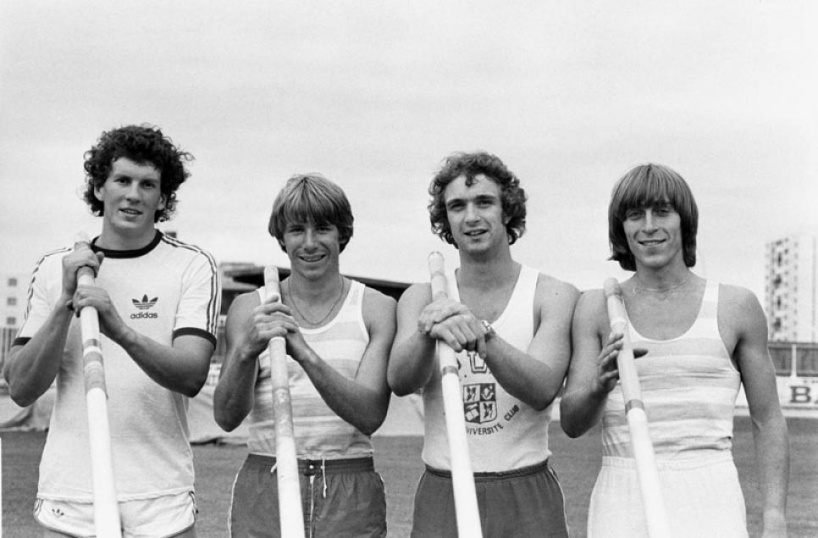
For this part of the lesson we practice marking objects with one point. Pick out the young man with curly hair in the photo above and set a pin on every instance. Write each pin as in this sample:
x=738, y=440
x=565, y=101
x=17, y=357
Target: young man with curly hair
x=510, y=326
x=158, y=301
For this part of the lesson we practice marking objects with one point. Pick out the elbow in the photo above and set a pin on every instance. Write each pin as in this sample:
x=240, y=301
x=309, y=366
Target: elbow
x=570, y=429
x=225, y=422
x=22, y=400
x=400, y=390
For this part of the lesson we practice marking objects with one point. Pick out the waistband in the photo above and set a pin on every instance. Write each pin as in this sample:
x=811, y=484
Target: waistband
x=312, y=467
x=481, y=476
x=675, y=464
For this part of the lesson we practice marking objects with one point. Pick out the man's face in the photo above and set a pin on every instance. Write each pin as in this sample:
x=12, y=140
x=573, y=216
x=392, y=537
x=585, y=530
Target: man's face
x=475, y=214
x=131, y=196
x=313, y=249
x=654, y=235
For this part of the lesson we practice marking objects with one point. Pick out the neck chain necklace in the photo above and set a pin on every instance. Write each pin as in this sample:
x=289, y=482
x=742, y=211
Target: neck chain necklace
x=323, y=319
x=638, y=289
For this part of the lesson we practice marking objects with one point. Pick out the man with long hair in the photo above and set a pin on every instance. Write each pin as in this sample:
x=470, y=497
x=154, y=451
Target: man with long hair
x=703, y=340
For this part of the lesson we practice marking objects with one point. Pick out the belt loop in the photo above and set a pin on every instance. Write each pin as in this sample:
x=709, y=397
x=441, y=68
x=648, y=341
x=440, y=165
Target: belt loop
x=324, y=474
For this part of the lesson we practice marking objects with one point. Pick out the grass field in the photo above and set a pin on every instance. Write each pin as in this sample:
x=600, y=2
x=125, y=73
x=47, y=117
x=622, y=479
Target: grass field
x=398, y=460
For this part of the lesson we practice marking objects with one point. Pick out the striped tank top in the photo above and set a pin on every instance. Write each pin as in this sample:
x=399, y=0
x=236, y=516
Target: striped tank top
x=319, y=432
x=689, y=387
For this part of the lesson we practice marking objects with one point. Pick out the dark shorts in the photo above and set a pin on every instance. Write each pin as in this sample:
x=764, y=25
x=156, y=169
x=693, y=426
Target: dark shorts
x=340, y=499
x=523, y=503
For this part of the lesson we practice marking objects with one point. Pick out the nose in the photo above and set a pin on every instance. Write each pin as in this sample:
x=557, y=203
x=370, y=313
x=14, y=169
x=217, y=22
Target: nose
x=650, y=223
x=133, y=191
x=471, y=212
x=309, y=237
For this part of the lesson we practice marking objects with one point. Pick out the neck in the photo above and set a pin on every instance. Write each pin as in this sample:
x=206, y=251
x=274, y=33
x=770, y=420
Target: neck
x=316, y=291
x=486, y=272
x=659, y=281
x=118, y=241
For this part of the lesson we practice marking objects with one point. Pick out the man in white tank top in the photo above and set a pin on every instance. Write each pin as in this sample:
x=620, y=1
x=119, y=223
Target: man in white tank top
x=510, y=327
x=338, y=335
x=701, y=341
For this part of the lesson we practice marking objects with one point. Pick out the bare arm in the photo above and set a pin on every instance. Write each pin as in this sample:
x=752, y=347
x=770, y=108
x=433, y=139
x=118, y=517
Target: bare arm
x=247, y=338
x=536, y=375
x=181, y=367
x=592, y=373
x=31, y=368
x=743, y=314
x=364, y=400
x=412, y=360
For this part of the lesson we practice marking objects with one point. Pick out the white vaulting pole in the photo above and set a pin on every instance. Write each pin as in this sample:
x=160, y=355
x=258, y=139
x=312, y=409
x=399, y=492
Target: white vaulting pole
x=652, y=501
x=465, y=496
x=291, y=516
x=106, y=510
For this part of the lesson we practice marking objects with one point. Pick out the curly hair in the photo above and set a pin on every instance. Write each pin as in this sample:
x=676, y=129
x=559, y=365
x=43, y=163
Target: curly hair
x=143, y=144
x=649, y=185
x=311, y=198
x=513, y=196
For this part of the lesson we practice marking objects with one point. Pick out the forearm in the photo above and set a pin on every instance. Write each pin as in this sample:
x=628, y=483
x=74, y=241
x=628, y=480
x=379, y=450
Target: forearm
x=773, y=462
x=580, y=410
x=531, y=381
x=175, y=369
x=32, y=368
x=411, y=364
x=355, y=403
x=233, y=398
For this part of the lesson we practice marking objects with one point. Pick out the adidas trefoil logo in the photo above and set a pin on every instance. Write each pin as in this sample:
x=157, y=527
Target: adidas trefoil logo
x=143, y=305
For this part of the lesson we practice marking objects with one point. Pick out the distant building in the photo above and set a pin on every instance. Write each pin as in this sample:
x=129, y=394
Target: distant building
x=13, y=290
x=791, y=290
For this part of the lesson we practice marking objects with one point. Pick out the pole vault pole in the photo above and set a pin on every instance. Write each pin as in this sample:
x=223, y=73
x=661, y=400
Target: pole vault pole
x=652, y=501
x=106, y=510
x=291, y=516
x=465, y=496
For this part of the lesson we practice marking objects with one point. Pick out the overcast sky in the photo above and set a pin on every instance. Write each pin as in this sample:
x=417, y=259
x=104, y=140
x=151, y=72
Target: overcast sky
x=375, y=94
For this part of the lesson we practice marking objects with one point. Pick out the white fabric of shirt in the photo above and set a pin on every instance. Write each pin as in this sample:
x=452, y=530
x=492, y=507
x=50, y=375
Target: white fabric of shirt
x=319, y=432
x=503, y=432
x=167, y=289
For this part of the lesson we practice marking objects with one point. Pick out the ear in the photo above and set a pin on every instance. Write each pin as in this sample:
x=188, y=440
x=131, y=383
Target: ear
x=98, y=193
x=162, y=200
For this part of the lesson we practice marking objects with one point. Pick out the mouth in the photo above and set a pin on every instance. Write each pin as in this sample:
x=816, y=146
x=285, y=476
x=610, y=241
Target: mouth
x=651, y=242
x=312, y=258
x=475, y=233
x=130, y=211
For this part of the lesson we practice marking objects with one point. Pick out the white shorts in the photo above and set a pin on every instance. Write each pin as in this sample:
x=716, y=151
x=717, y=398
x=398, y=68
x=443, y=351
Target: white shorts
x=163, y=516
x=702, y=498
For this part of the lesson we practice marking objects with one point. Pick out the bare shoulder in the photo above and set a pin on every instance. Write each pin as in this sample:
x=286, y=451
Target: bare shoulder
x=739, y=305
x=418, y=293
x=554, y=292
x=243, y=304
x=377, y=303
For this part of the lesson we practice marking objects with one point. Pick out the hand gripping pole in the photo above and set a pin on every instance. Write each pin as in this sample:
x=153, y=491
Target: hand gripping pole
x=465, y=496
x=291, y=515
x=652, y=501
x=106, y=510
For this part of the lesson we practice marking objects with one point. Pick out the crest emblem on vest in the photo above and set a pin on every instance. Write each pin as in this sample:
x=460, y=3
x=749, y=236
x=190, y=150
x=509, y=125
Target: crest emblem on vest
x=477, y=365
x=479, y=402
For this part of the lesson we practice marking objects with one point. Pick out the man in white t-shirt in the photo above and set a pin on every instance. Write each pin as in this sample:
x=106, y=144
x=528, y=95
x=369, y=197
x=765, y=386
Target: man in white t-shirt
x=158, y=301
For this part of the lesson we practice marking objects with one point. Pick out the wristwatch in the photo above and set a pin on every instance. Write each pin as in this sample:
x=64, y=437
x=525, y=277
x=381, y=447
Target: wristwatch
x=489, y=330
